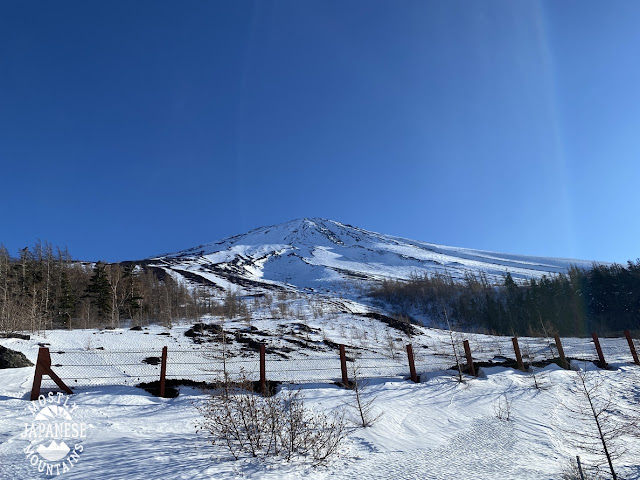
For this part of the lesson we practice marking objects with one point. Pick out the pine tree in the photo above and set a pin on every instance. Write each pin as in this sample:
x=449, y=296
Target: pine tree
x=99, y=291
x=133, y=298
x=67, y=301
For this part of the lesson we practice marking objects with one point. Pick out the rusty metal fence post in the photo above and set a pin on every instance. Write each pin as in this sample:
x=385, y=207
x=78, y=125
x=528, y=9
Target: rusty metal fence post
x=163, y=371
x=632, y=347
x=516, y=349
x=412, y=365
x=343, y=366
x=563, y=360
x=263, y=369
x=596, y=342
x=467, y=353
x=43, y=367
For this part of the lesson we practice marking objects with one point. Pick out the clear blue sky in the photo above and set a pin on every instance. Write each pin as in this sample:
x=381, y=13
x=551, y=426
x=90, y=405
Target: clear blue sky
x=129, y=129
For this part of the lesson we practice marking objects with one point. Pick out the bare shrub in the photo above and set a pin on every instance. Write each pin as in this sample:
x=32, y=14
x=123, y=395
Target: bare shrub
x=502, y=408
x=362, y=402
x=316, y=309
x=280, y=426
x=539, y=378
x=575, y=470
x=606, y=423
x=283, y=309
x=267, y=300
x=392, y=346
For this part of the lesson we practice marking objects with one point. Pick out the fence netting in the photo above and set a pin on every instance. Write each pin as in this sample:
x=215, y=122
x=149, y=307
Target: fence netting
x=84, y=368
x=210, y=364
x=106, y=367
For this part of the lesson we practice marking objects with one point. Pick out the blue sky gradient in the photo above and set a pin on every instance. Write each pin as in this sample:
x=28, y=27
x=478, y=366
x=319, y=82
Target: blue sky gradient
x=129, y=129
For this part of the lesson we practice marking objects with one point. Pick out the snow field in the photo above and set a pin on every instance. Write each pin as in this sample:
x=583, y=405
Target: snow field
x=436, y=429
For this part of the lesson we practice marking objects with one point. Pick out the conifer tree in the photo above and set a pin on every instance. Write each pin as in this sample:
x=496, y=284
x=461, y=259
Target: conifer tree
x=99, y=291
x=67, y=301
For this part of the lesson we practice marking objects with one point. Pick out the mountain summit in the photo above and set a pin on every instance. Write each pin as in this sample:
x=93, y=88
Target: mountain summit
x=317, y=254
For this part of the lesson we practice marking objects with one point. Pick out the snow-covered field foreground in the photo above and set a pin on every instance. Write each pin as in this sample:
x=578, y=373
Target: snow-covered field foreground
x=436, y=429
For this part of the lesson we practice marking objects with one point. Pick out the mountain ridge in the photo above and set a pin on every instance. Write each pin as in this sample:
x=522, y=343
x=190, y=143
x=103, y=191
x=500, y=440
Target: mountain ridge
x=317, y=254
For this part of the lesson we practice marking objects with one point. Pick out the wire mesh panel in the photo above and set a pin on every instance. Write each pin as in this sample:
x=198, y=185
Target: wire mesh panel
x=97, y=367
x=376, y=366
x=327, y=369
x=444, y=359
x=209, y=365
x=106, y=367
x=304, y=370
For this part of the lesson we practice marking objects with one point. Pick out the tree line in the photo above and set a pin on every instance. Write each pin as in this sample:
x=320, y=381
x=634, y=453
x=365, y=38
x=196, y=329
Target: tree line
x=44, y=288
x=605, y=298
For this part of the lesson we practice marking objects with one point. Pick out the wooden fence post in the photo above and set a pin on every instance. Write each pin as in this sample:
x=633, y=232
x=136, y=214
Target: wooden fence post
x=467, y=352
x=632, y=347
x=343, y=366
x=163, y=371
x=263, y=368
x=412, y=365
x=563, y=360
x=596, y=342
x=580, y=467
x=43, y=367
x=516, y=348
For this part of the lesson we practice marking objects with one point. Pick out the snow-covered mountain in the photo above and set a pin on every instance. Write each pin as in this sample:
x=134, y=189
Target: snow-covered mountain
x=315, y=254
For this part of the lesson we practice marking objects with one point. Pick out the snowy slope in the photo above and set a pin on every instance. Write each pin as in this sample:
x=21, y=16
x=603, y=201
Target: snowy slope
x=435, y=429
x=318, y=254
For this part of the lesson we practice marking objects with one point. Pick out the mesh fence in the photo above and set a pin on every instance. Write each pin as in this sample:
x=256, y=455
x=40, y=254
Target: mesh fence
x=82, y=368
x=79, y=368
x=304, y=370
x=210, y=365
x=106, y=367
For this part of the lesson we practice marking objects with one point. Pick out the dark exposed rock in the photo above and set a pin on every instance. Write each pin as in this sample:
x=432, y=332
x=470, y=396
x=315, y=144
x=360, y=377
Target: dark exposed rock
x=12, y=359
x=171, y=386
x=21, y=336
x=249, y=342
x=403, y=326
x=303, y=328
x=200, y=329
x=331, y=344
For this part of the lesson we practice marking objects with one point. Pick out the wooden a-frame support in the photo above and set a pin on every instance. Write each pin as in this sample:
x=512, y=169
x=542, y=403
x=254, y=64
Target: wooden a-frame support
x=43, y=367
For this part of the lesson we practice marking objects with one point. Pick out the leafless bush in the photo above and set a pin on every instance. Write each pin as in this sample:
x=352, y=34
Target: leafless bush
x=316, y=309
x=540, y=380
x=283, y=309
x=362, y=402
x=577, y=471
x=392, y=346
x=267, y=300
x=280, y=426
x=453, y=344
x=502, y=408
x=598, y=423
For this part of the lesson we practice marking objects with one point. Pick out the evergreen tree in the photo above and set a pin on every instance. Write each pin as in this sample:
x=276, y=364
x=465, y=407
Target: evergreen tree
x=99, y=291
x=67, y=301
x=133, y=297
